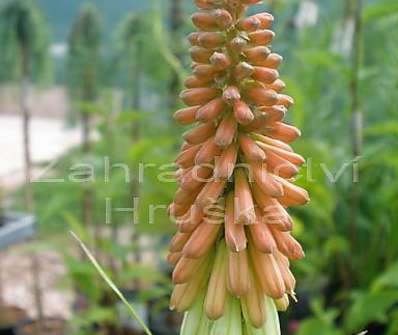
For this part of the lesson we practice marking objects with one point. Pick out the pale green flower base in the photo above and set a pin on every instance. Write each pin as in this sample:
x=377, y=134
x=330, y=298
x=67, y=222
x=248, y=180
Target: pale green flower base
x=234, y=321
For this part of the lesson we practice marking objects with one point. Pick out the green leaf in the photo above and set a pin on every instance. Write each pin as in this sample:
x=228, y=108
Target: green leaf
x=131, y=115
x=159, y=39
x=337, y=244
x=389, y=279
x=380, y=10
x=111, y=284
x=393, y=326
x=382, y=129
x=323, y=319
x=76, y=226
x=313, y=326
x=370, y=307
x=322, y=58
x=99, y=314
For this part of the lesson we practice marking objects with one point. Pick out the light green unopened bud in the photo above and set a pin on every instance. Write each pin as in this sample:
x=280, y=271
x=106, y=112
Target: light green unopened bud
x=271, y=326
x=231, y=322
x=195, y=320
x=217, y=288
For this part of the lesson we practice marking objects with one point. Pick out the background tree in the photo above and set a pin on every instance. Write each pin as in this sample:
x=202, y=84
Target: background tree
x=131, y=37
x=176, y=25
x=131, y=40
x=356, y=113
x=23, y=32
x=84, y=63
x=142, y=69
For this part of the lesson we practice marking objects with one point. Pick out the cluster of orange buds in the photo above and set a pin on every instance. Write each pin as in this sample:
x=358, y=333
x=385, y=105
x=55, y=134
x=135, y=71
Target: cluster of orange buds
x=236, y=168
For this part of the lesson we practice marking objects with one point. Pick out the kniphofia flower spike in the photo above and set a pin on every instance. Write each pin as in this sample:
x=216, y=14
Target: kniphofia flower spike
x=232, y=250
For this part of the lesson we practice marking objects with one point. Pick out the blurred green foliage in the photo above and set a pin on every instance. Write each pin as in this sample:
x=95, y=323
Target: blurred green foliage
x=84, y=60
x=24, y=37
x=344, y=287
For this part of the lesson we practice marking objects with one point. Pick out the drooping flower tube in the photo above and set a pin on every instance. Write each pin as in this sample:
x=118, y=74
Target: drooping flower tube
x=236, y=174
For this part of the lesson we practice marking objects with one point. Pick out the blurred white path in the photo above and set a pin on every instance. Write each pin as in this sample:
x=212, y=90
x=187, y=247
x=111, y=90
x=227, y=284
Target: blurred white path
x=49, y=139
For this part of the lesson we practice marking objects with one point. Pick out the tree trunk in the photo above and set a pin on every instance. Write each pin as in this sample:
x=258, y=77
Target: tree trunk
x=28, y=194
x=2, y=206
x=87, y=196
x=356, y=115
x=29, y=200
x=86, y=133
x=88, y=96
x=176, y=24
x=135, y=137
x=110, y=149
x=135, y=192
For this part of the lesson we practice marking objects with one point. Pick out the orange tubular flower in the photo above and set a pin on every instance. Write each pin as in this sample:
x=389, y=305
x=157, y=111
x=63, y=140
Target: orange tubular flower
x=231, y=253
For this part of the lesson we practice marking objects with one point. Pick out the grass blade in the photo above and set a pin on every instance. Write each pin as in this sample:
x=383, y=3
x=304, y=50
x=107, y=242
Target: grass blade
x=111, y=284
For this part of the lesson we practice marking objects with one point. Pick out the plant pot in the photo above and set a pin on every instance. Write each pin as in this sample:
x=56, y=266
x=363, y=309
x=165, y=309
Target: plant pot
x=50, y=326
x=11, y=318
x=16, y=228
